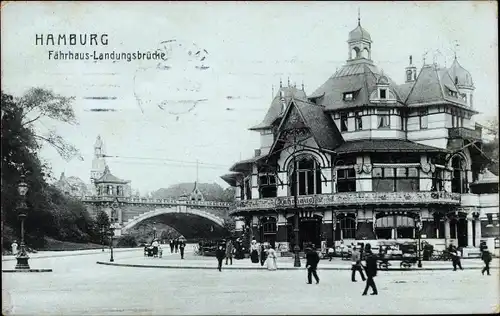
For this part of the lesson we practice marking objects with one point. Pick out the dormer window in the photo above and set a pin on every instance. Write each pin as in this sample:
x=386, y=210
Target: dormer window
x=348, y=96
x=383, y=93
x=452, y=93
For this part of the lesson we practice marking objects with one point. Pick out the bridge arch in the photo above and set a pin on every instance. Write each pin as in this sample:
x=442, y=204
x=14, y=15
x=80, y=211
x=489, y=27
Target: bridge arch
x=219, y=222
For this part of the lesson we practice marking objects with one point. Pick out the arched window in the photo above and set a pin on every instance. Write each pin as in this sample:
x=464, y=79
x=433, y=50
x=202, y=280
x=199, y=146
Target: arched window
x=348, y=227
x=365, y=53
x=459, y=181
x=307, y=179
x=355, y=53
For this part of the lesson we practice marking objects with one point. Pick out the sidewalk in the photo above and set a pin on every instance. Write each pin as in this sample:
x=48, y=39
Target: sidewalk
x=53, y=254
x=196, y=262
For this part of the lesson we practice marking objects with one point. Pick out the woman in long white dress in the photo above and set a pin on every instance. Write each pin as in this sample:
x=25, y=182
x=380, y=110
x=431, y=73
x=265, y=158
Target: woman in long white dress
x=271, y=260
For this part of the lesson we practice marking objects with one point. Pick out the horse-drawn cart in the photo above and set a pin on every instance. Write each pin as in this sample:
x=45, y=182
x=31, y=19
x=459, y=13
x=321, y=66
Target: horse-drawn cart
x=405, y=253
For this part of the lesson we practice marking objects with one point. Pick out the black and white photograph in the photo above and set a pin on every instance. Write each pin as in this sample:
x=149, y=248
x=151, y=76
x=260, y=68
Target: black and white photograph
x=249, y=158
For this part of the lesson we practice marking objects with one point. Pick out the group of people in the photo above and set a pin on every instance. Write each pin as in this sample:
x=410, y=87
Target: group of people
x=264, y=254
x=312, y=260
x=177, y=245
x=155, y=250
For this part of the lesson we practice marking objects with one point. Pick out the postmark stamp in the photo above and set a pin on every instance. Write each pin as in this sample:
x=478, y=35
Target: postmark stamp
x=175, y=83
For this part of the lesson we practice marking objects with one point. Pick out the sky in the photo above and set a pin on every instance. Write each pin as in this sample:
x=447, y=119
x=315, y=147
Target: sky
x=169, y=114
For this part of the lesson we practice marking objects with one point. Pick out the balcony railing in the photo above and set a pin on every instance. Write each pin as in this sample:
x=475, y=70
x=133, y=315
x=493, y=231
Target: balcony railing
x=462, y=132
x=130, y=200
x=351, y=198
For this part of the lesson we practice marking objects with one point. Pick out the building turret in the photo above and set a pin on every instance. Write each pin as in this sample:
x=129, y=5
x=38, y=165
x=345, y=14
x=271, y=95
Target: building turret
x=98, y=162
x=359, y=43
x=411, y=72
x=463, y=81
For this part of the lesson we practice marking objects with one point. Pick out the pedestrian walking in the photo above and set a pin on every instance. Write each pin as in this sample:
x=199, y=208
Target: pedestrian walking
x=160, y=251
x=155, y=248
x=371, y=270
x=331, y=251
x=14, y=246
x=171, y=246
x=219, y=254
x=312, y=260
x=182, y=246
x=229, y=251
x=254, y=251
x=455, y=258
x=271, y=259
x=356, y=264
x=176, y=245
x=486, y=257
x=263, y=254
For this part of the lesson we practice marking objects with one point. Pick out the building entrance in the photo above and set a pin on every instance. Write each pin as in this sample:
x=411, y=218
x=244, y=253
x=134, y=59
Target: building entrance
x=310, y=231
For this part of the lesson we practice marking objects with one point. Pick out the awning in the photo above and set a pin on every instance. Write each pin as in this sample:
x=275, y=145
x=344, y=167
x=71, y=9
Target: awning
x=246, y=165
x=384, y=146
x=232, y=178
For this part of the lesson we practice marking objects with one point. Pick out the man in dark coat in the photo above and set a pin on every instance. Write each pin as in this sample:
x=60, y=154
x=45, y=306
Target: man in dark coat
x=182, y=245
x=171, y=245
x=312, y=259
x=263, y=254
x=486, y=257
x=176, y=245
x=455, y=258
x=219, y=254
x=371, y=270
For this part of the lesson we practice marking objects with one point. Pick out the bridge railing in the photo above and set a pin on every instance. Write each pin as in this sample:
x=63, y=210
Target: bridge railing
x=107, y=198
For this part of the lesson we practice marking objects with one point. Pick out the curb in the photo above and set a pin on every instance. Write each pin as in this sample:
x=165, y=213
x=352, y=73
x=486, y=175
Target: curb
x=28, y=270
x=64, y=255
x=280, y=269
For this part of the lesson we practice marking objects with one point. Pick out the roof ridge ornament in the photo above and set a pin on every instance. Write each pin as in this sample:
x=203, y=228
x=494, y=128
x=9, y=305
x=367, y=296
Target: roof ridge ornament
x=456, y=45
x=359, y=17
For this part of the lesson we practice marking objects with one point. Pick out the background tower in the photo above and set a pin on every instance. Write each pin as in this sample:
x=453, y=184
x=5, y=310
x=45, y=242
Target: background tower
x=98, y=162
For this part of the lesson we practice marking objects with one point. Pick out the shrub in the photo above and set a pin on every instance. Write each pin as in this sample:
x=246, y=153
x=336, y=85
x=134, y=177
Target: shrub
x=127, y=241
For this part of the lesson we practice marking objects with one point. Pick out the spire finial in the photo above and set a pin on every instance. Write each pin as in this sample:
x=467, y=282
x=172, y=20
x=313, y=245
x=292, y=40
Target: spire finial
x=288, y=81
x=303, y=85
x=411, y=59
x=456, y=44
x=359, y=17
x=281, y=83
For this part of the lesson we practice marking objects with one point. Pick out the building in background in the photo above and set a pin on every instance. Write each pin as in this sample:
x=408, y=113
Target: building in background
x=364, y=158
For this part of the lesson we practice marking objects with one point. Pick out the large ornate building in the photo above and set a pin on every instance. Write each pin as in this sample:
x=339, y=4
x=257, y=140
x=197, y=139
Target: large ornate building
x=364, y=158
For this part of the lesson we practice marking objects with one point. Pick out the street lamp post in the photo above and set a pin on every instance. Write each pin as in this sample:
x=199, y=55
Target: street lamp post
x=419, y=230
x=111, y=235
x=22, y=256
x=296, y=249
x=154, y=231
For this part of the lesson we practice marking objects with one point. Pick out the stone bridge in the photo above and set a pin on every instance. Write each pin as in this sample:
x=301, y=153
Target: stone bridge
x=193, y=219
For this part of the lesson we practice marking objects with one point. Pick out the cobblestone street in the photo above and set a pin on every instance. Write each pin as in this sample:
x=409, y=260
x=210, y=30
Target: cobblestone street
x=80, y=286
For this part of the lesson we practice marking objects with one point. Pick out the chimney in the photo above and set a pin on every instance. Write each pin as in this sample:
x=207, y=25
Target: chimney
x=257, y=152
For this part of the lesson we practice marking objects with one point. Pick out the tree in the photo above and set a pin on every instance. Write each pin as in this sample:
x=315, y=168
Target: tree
x=50, y=213
x=102, y=219
x=490, y=145
x=38, y=103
